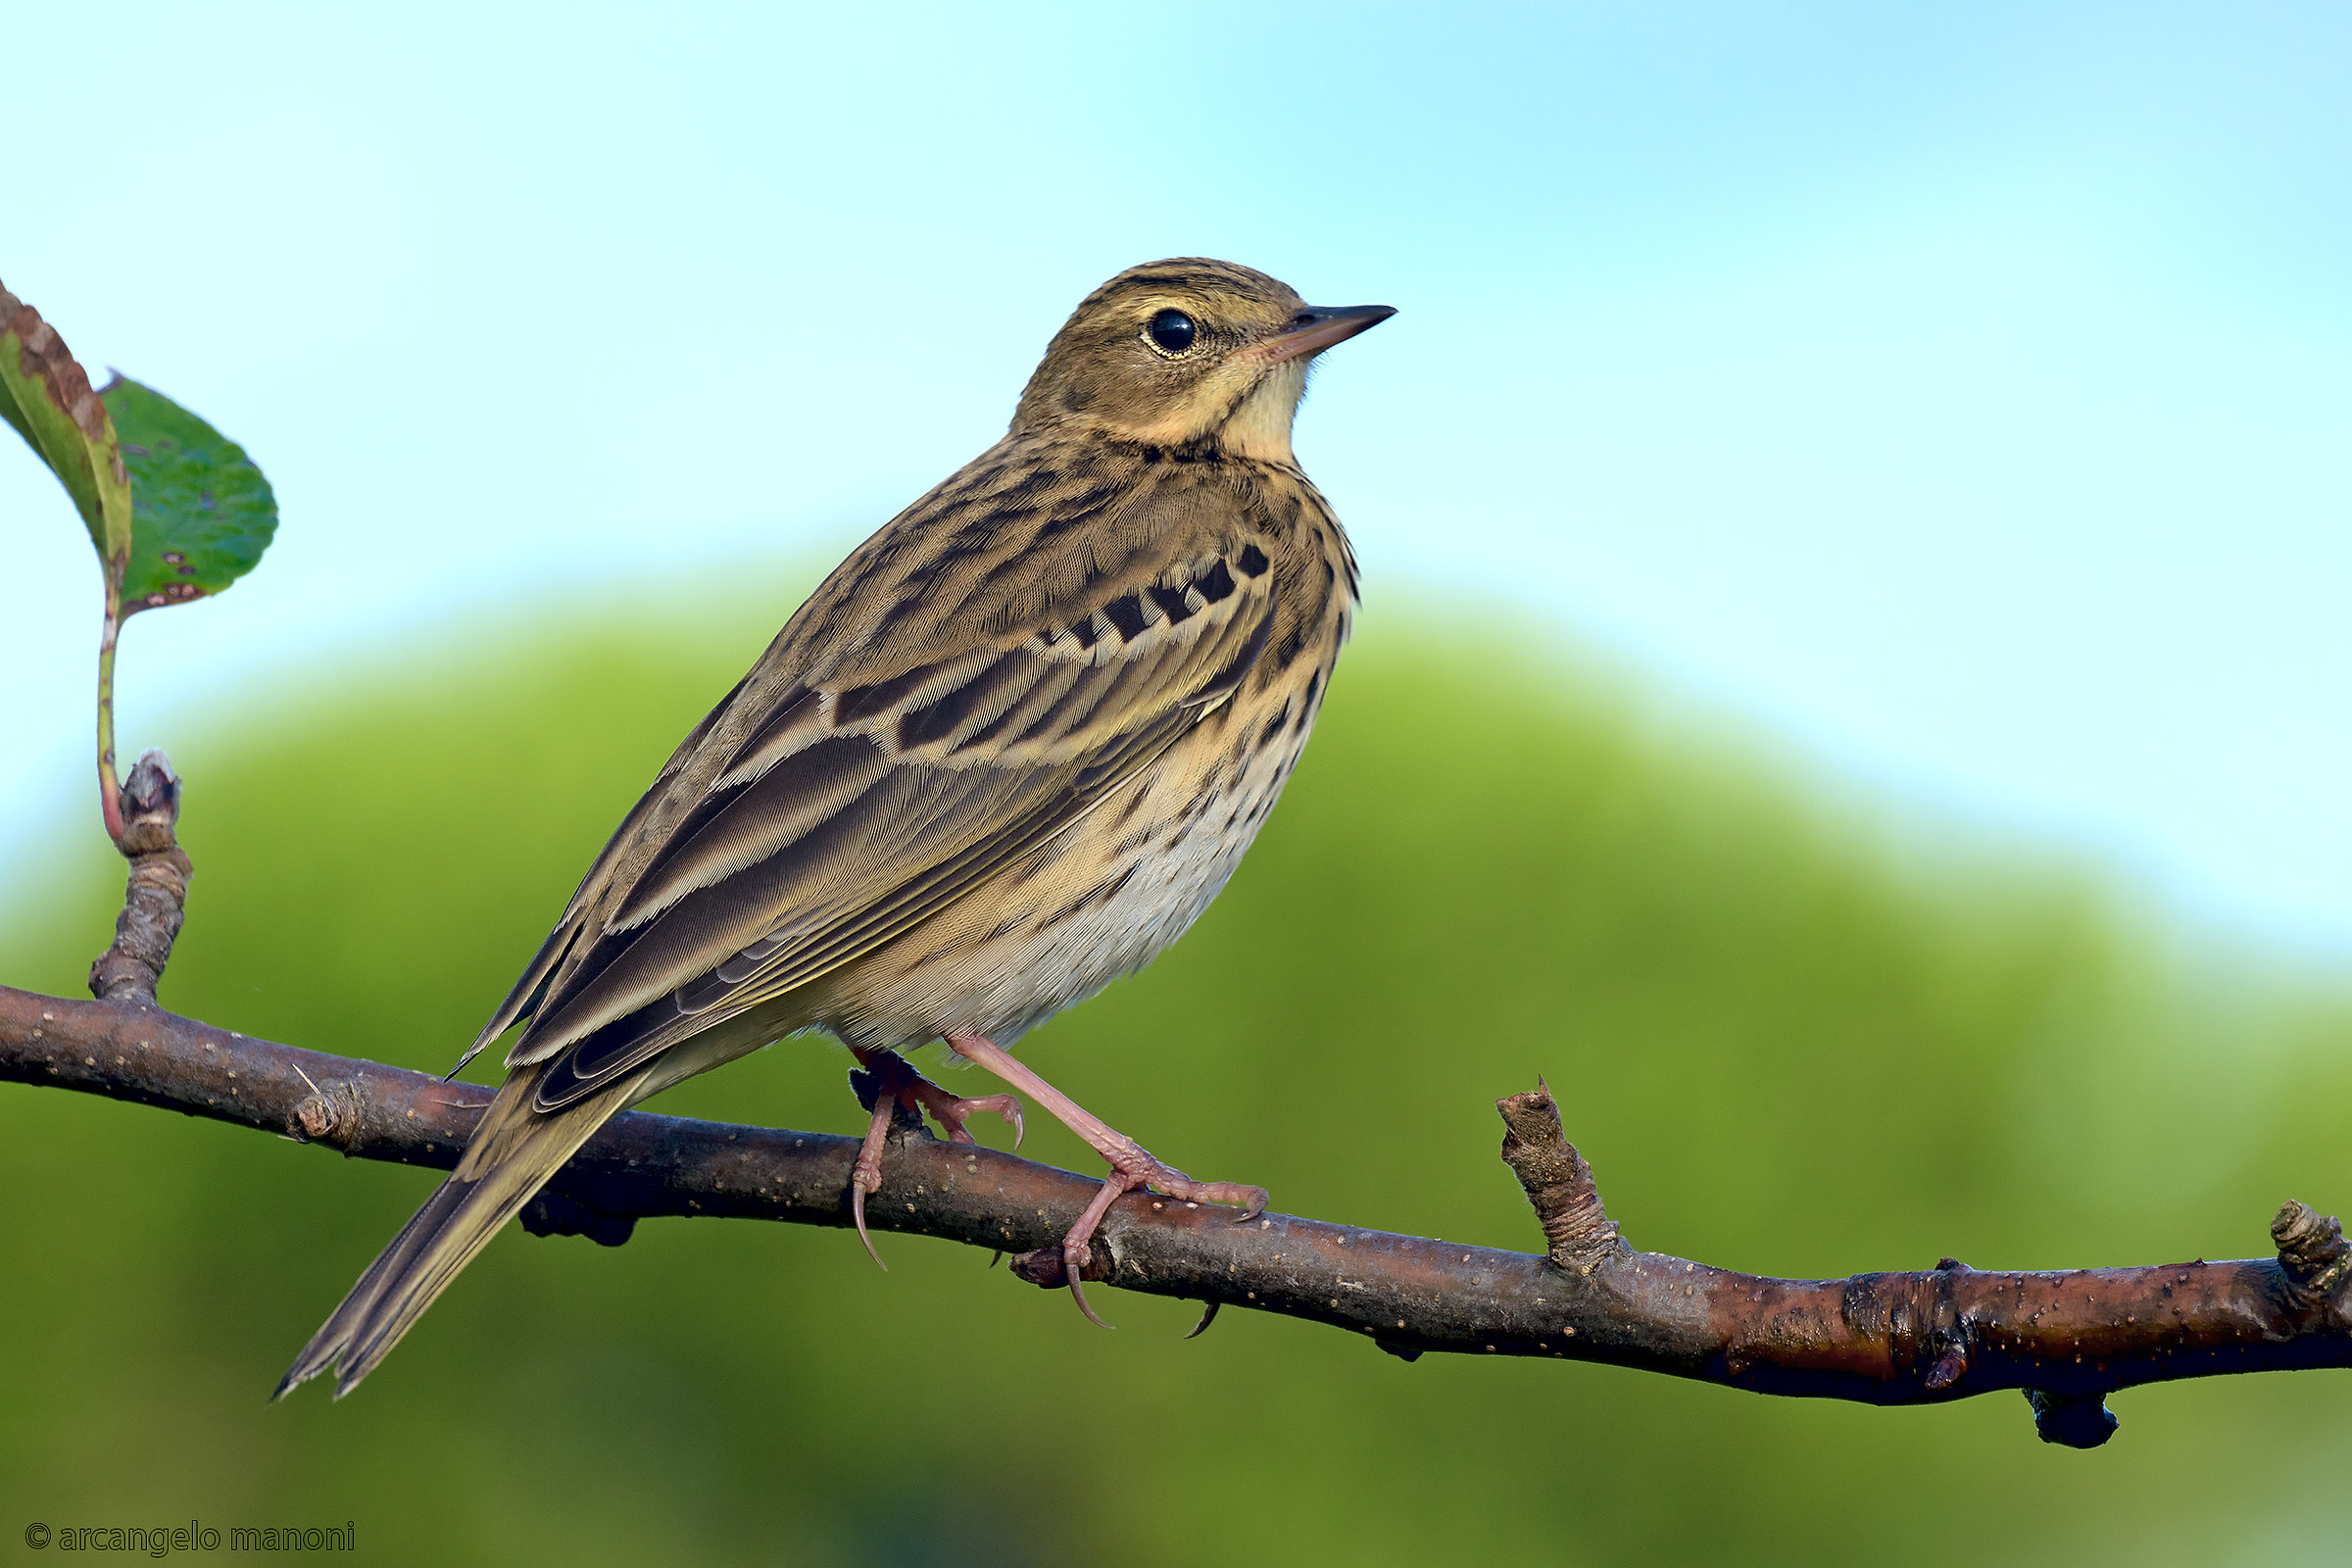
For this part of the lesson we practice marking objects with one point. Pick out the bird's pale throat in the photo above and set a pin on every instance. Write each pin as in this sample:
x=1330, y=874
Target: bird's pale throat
x=1260, y=426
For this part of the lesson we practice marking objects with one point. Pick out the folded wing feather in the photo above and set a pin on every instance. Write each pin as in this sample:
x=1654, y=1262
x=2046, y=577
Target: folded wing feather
x=846, y=815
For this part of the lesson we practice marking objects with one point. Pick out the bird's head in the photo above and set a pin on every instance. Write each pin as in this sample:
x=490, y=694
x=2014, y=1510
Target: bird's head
x=1188, y=350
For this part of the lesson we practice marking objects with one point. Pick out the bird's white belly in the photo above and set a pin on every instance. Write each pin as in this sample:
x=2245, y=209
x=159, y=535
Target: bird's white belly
x=1020, y=951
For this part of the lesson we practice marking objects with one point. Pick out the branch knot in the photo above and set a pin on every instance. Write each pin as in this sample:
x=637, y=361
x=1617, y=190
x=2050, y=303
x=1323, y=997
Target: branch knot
x=2071, y=1420
x=2313, y=1253
x=1557, y=1181
x=330, y=1115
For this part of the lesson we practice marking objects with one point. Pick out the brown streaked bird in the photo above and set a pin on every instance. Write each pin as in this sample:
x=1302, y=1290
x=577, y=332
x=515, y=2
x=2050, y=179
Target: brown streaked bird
x=1005, y=754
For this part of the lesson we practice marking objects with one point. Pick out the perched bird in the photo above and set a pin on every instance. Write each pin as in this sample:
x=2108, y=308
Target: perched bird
x=1005, y=754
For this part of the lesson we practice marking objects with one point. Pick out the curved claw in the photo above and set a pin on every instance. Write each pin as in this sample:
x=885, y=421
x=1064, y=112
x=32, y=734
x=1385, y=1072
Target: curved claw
x=1073, y=1259
x=857, y=1191
x=1208, y=1317
x=1253, y=1204
x=1004, y=1105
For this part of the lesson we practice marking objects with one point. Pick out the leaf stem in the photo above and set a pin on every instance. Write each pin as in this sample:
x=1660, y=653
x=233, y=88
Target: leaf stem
x=109, y=788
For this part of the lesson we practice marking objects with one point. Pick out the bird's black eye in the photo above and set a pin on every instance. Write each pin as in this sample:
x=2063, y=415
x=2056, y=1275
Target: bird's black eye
x=1173, y=331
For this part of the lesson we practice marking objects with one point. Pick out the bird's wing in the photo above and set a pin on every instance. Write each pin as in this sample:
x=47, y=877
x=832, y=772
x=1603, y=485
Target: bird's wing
x=831, y=803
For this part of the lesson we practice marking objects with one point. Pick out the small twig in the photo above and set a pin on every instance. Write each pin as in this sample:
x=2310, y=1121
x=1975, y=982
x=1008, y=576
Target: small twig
x=155, y=901
x=1558, y=1182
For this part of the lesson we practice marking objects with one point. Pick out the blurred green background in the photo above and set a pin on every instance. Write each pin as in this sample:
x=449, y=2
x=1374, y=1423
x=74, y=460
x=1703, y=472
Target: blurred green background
x=1796, y=1031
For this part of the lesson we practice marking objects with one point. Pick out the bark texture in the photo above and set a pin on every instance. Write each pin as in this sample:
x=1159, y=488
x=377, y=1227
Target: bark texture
x=1915, y=1337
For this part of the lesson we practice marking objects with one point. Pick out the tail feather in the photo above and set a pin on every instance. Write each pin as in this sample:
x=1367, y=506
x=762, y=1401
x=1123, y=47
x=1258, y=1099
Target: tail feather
x=513, y=1153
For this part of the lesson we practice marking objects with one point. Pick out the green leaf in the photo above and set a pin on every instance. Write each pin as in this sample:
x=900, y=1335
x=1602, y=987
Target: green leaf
x=203, y=513
x=46, y=396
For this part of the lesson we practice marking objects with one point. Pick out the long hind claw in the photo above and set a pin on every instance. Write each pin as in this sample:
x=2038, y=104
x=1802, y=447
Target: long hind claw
x=857, y=1214
x=866, y=1175
x=1075, y=1250
x=1078, y=1289
x=898, y=1085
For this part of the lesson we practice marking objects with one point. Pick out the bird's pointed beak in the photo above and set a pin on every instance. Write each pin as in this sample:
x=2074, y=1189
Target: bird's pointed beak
x=1317, y=327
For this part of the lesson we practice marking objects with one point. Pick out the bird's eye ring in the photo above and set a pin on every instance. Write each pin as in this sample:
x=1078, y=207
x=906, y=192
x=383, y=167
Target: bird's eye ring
x=1171, y=332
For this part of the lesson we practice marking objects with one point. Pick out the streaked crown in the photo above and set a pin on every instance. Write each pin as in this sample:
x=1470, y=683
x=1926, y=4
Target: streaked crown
x=1186, y=351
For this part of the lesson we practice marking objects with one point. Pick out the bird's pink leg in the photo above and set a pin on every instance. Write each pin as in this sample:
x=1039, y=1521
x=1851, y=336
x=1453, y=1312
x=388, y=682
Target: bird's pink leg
x=898, y=1083
x=1131, y=1164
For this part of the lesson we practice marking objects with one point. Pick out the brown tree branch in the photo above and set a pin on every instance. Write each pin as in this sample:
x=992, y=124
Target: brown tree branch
x=1921, y=1337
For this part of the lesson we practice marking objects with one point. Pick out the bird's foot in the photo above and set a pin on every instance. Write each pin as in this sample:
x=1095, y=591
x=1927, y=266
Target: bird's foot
x=952, y=1111
x=897, y=1087
x=1132, y=1166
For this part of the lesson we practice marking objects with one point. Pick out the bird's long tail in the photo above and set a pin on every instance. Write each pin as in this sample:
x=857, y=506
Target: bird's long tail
x=513, y=1153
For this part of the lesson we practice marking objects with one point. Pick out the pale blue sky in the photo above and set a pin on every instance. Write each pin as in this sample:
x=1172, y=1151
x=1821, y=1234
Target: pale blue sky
x=1962, y=392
